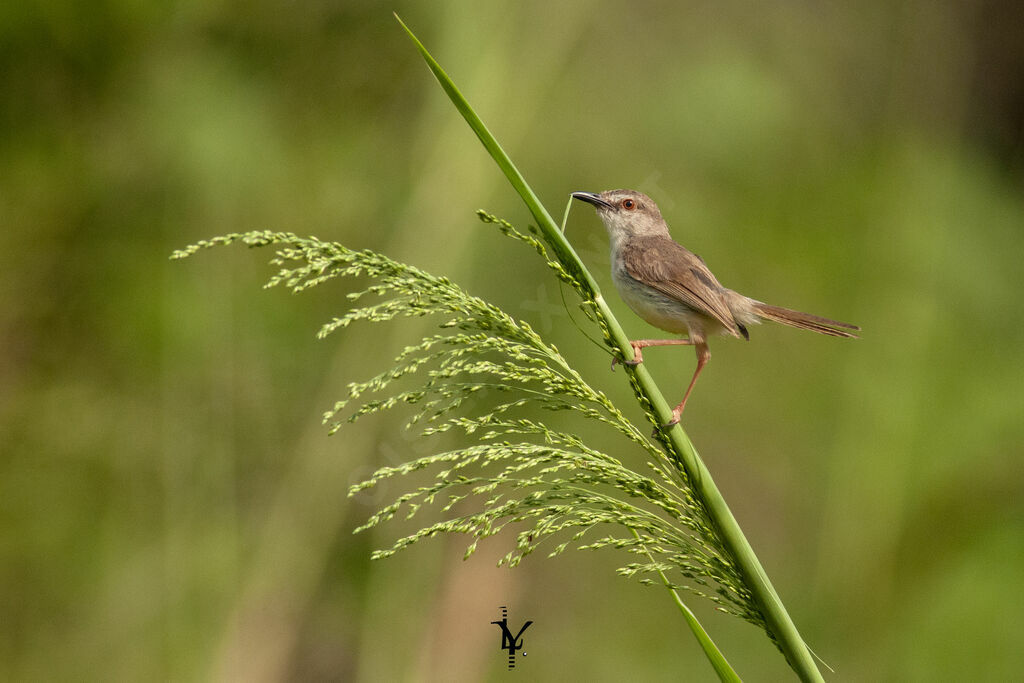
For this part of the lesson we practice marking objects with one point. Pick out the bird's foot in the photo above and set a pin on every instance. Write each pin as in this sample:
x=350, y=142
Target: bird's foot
x=676, y=413
x=631, y=363
x=638, y=357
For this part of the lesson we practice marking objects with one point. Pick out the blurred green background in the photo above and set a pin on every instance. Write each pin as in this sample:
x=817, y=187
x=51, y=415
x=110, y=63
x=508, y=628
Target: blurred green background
x=172, y=508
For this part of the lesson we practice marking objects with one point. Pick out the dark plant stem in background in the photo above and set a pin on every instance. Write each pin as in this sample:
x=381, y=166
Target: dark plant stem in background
x=681, y=450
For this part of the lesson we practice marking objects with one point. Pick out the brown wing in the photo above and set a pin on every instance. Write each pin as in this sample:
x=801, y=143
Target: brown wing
x=680, y=274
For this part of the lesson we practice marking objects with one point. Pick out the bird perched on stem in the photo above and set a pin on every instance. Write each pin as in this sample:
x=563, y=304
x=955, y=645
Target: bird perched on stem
x=671, y=288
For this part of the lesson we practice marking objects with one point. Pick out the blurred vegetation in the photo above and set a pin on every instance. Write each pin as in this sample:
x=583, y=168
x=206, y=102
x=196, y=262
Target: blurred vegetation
x=174, y=510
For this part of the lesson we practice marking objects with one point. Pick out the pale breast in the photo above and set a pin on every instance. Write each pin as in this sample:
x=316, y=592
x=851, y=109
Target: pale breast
x=660, y=310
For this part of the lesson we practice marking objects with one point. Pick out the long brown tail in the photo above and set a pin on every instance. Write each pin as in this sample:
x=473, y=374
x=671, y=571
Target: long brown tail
x=804, y=321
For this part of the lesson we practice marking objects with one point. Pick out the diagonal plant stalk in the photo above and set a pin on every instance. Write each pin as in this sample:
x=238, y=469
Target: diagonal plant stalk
x=678, y=445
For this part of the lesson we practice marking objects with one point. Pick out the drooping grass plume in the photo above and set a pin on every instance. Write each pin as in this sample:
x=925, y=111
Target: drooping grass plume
x=554, y=489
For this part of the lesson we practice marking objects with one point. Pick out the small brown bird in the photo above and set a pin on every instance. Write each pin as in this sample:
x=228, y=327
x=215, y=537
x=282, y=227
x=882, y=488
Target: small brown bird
x=671, y=288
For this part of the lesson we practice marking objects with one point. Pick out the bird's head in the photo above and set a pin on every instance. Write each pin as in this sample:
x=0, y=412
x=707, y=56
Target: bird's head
x=626, y=213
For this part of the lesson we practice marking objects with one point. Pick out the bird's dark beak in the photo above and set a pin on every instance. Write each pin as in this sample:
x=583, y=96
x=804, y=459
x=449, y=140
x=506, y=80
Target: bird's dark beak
x=592, y=198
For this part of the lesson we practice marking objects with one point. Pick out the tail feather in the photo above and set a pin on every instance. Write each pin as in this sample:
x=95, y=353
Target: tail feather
x=804, y=321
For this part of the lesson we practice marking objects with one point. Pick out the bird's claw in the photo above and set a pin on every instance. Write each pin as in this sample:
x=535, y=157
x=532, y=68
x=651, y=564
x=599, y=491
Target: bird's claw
x=676, y=414
x=631, y=363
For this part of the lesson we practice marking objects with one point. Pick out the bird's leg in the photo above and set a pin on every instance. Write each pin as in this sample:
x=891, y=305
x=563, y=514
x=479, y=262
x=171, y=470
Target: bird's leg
x=702, y=357
x=638, y=356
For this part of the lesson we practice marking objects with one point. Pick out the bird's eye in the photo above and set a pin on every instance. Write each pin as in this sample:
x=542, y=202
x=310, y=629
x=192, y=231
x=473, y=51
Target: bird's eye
x=628, y=204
